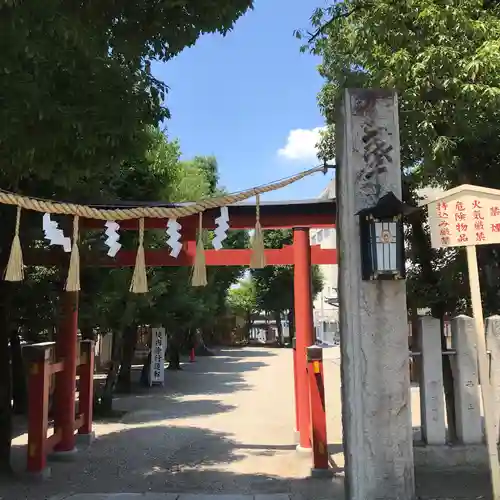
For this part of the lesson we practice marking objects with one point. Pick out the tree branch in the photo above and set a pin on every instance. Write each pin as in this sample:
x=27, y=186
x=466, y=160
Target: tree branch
x=343, y=15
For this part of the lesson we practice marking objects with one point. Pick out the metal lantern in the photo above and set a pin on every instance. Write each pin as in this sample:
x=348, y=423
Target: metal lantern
x=382, y=239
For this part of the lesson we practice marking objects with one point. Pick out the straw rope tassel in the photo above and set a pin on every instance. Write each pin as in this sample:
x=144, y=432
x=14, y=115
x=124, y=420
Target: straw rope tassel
x=199, y=269
x=15, y=268
x=258, y=258
x=73, y=281
x=139, y=278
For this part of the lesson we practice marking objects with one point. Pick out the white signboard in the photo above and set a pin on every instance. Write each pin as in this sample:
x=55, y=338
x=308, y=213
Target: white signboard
x=465, y=216
x=158, y=345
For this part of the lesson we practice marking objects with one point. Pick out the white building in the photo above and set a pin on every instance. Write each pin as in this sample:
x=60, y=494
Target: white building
x=326, y=313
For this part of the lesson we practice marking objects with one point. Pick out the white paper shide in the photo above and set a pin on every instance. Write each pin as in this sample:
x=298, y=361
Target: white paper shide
x=54, y=234
x=111, y=242
x=222, y=226
x=174, y=237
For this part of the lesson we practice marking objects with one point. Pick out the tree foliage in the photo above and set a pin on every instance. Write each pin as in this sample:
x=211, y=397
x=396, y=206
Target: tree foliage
x=242, y=301
x=274, y=286
x=79, y=105
x=442, y=58
x=76, y=88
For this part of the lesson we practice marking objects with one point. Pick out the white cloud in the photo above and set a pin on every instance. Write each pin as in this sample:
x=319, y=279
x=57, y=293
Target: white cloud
x=301, y=144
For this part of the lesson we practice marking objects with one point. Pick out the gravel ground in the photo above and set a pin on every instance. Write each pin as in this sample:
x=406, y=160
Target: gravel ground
x=222, y=425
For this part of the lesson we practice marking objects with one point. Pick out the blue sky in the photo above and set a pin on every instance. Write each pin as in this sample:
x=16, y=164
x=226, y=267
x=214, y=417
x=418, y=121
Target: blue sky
x=250, y=99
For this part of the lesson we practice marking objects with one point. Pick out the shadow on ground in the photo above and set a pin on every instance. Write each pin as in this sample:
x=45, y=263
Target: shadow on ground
x=465, y=483
x=195, y=379
x=144, y=456
x=197, y=460
x=204, y=378
x=228, y=376
x=236, y=352
x=166, y=459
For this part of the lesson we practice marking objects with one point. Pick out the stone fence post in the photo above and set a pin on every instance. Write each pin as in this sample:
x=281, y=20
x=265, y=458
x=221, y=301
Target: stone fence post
x=493, y=345
x=431, y=382
x=465, y=375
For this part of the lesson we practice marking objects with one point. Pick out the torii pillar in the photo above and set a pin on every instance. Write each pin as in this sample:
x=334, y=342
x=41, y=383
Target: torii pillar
x=65, y=387
x=304, y=331
x=378, y=441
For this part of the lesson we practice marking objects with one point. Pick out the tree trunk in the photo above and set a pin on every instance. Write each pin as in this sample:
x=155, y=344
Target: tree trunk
x=19, y=382
x=279, y=326
x=248, y=326
x=88, y=334
x=145, y=370
x=5, y=380
x=106, y=402
x=116, y=356
x=200, y=348
x=174, y=354
x=124, y=381
x=291, y=323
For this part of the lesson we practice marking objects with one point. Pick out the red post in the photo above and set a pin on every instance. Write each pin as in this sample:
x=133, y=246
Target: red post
x=304, y=327
x=65, y=387
x=191, y=355
x=38, y=356
x=294, y=346
x=318, y=410
x=86, y=399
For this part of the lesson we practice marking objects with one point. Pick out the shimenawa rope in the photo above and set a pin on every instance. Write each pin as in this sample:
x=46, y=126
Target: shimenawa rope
x=118, y=214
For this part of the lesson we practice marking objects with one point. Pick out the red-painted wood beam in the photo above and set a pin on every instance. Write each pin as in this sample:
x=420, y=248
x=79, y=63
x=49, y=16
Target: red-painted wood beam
x=240, y=221
x=161, y=257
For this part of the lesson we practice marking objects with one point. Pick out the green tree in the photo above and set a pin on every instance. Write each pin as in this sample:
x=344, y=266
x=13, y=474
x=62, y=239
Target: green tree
x=441, y=58
x=77, y=95
x=242, y=301
x=274, y=286
x=77, y=84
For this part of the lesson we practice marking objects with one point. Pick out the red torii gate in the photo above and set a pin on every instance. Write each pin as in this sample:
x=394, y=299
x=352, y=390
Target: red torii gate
x=300, y=216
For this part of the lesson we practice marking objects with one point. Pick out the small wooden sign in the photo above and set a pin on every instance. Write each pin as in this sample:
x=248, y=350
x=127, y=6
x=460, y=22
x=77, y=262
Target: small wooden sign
x=157, y=369
x=465, y=216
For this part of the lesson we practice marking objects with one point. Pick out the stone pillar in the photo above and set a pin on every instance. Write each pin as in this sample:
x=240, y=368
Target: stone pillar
x=378, y=438
x=431, y=382
x=467, y=402
x=493, y=345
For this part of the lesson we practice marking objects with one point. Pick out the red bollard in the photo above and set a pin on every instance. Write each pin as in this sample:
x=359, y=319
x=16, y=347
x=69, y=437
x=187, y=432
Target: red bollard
x=191, y=355
x=319, y=439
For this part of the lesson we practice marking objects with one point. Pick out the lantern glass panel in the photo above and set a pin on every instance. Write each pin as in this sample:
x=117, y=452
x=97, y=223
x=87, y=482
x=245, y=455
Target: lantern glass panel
x=384, y=245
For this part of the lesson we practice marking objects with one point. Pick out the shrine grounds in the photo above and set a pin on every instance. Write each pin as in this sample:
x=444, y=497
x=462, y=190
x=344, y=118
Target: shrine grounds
x=221, y=426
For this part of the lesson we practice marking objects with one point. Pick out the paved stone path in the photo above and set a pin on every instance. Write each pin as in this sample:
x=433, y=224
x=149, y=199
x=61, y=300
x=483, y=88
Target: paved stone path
x=223, y=426
x=178, y=496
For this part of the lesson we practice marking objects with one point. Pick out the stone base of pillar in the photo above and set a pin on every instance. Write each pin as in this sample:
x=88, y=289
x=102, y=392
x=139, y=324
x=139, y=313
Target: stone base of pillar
x=85, y=440
x=322, y=473
x=301, y=449
x=37, y=476
x=63, y=456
